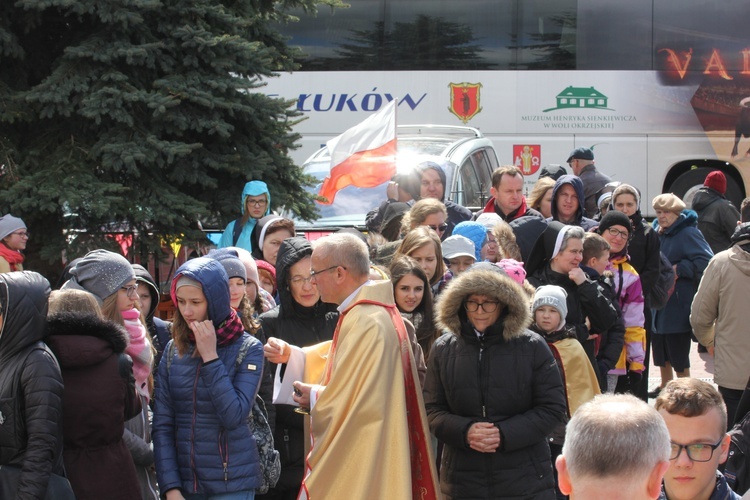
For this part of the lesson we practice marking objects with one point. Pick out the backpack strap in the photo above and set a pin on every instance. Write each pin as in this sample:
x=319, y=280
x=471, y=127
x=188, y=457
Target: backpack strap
x=170, y=354
x=236, y=231
x=246, y=343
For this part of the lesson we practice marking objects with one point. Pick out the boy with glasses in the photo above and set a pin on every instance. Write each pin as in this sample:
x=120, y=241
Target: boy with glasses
x=696, y=418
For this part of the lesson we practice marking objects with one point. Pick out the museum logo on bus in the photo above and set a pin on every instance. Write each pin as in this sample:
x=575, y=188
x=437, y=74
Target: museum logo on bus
x=580, y=97
x=579, y=108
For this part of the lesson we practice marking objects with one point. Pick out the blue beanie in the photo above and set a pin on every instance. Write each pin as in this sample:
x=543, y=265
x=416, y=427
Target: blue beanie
x=475, y=231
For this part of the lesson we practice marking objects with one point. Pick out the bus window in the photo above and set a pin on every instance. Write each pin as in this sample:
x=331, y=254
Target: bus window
x=445, y=34
x=546, y=35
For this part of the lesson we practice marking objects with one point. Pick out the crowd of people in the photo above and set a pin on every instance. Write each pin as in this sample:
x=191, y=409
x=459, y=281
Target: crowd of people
x=443, y=354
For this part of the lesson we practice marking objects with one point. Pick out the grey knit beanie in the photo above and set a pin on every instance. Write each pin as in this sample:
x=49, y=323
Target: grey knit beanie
x=10, y=224
x=229, y=258
x=552, y=295
x=101, y=273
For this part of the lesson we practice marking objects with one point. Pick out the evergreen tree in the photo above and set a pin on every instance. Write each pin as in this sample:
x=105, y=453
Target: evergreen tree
x=141, y=116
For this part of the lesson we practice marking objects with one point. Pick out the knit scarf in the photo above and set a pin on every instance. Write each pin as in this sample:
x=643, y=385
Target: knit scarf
x=139, y=350
x=414, y=317
x=230, y=330
x=12, y=256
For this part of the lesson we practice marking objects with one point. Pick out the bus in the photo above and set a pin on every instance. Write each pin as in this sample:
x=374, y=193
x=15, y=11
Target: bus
x=659, y=89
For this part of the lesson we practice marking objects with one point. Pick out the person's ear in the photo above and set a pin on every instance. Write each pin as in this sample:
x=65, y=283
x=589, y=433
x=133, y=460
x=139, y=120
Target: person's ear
x=724, y=448
x=653, y=487
x=563, y=477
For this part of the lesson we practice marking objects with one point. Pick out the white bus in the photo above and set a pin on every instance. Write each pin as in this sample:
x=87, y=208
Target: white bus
x=659, y=89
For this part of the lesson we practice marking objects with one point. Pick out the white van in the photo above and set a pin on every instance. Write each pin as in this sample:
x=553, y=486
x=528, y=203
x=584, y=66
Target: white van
x=469, y=159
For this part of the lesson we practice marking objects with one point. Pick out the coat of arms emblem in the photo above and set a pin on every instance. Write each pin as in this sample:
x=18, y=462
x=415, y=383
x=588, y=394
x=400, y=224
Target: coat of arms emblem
x=465, y=100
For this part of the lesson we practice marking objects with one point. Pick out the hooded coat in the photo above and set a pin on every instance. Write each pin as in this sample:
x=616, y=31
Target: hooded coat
x=99, y=397
x=507, y=377
x=722, y=299
x=456, y=213
x=300, y=326
x=717, y=218
x=31, y=386
x=252, y=188
x=157, y=327
x=200, y=419
x=578, y=219
x=138, y=429
x=686, y=248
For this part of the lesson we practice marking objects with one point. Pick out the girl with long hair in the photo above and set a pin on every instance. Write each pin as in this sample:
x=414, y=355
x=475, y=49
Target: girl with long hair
x=411, y=291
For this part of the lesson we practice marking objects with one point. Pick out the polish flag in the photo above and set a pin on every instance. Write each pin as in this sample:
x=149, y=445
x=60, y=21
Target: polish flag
x=363, y=156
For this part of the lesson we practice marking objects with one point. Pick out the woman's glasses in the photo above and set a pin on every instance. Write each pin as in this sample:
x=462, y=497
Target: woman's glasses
x=488, y=306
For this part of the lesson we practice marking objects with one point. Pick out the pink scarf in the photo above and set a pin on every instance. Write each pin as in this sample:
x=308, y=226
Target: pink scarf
x=139, y=350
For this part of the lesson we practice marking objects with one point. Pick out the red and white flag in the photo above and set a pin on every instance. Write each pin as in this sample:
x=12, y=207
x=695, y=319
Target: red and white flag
x=364, y=155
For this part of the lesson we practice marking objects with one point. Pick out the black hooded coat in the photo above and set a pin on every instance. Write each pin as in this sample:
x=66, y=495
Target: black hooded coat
x=31, y=386
x=300, y=326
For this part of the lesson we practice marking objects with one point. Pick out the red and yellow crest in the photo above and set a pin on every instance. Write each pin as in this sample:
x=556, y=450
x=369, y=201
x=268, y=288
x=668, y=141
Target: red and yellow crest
x=465, y=100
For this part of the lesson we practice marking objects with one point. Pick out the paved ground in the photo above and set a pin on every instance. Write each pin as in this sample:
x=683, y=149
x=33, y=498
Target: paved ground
x=701, y=366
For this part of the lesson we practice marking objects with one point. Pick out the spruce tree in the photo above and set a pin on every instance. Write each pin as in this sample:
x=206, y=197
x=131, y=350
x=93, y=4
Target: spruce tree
x=142, y=117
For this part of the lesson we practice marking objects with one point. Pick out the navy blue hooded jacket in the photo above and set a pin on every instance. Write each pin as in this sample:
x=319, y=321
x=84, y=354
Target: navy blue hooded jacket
x=202, y=441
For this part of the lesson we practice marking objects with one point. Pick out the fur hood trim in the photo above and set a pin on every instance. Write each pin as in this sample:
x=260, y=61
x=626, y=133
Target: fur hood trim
x=72, y=323
x=485, y=282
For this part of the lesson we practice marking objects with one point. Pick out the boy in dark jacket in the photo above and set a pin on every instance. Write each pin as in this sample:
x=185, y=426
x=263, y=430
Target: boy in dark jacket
x=609, y=342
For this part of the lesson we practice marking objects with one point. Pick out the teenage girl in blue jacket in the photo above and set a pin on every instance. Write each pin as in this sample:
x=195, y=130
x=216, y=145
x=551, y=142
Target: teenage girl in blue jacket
x=203, y=445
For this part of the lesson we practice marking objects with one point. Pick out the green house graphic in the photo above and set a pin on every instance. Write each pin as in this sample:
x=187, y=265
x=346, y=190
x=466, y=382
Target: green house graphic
x=580, y=97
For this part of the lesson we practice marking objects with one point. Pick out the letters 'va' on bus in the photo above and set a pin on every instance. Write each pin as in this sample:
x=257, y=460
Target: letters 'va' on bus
x=659, y=89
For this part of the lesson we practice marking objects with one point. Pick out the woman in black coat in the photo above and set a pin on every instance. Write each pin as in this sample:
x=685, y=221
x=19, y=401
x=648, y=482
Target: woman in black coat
x=493, y=391
x=31, y=386
x=300, y=319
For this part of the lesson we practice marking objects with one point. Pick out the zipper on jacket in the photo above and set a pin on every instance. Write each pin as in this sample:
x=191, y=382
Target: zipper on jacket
x=192, y=429
x=286, y=444
x=224, y=453
x=481, y=385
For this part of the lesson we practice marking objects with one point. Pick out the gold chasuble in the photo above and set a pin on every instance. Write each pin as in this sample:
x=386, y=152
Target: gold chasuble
x=368, y=427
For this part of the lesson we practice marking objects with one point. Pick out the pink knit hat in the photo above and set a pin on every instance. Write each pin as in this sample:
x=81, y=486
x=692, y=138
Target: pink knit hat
x=514, y=269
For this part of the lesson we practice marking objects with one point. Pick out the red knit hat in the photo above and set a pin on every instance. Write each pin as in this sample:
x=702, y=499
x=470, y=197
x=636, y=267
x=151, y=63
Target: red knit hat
x=716, y=181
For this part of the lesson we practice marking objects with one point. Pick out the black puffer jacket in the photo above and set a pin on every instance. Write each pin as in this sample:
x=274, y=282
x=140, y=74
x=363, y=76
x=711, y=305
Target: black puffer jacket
x=509, y=377
x=717, y=218
x=31, y=385
x=300, y=326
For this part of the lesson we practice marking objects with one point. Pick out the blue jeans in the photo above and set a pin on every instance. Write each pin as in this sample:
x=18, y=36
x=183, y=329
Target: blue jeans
x=237, y=495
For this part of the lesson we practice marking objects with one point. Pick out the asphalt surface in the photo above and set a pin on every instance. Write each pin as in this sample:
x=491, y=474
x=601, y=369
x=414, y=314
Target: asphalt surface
x=701, y=367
